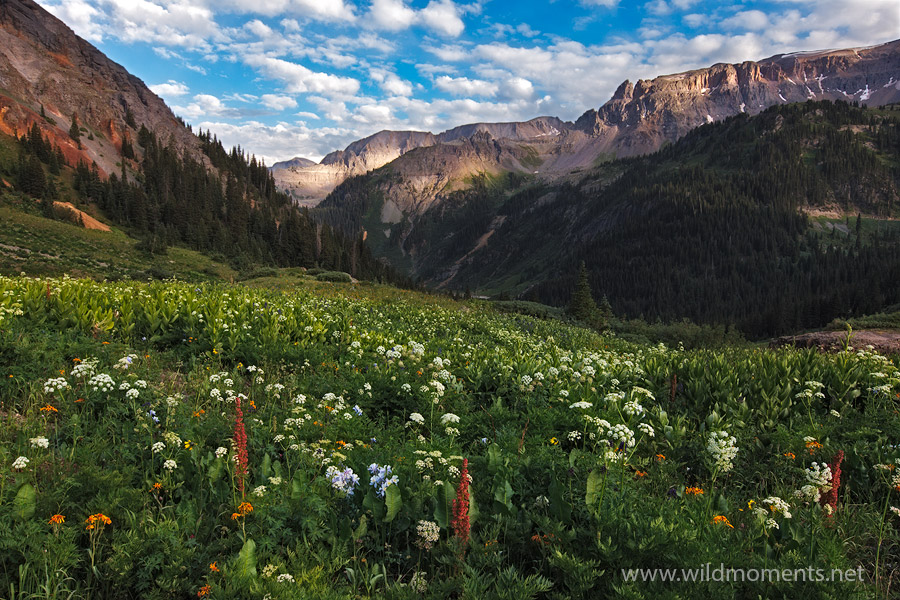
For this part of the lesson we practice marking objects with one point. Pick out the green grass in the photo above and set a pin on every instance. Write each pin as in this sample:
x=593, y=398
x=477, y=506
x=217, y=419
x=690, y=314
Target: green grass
x=38, y=246
x=350, y=376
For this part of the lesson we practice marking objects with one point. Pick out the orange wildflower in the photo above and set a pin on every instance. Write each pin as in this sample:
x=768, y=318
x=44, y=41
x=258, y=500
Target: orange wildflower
x=204, y=591
x=790, y=455
x=49, y=408
x=57, y=520
x=660, y=457
x=812, y=446
x=693, y=491
x=640, y=474
x=721, y=519
x=213, y=567
x=99, y=518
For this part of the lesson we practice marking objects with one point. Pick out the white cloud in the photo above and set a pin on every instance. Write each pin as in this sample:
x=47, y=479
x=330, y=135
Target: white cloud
x=606, y=3
x=442, y=16
x=205, y=105
x=448, y=53
x=278, y=102
x=463, y=86
x=79, y=15
x=391, y=83
x=170, y=89
x=300, y=80
x=753, y=20
x=392, y=15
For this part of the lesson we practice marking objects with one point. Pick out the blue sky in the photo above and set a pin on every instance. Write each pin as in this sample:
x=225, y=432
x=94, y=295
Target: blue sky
x=286, y=78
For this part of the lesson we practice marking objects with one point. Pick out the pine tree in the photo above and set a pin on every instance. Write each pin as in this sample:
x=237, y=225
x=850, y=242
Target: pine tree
x=75, y=131
x=582, y=305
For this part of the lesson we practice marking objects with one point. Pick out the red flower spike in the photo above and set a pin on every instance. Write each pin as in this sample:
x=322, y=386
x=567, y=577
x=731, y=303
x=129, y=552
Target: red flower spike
x=240, y=444
x=460, y=521
x=830, y=497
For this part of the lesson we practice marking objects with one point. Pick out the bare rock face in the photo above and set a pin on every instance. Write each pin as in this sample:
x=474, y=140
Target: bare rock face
x=641, y=117
x=638, y=119
x=43, y=63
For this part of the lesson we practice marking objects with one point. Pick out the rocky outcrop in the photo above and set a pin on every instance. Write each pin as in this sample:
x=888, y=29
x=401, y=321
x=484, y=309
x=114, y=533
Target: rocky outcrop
x=44, y=64
x=638, y=118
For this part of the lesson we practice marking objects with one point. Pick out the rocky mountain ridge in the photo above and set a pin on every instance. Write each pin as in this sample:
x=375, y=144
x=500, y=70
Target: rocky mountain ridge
x=45, y=67
x=639, y=118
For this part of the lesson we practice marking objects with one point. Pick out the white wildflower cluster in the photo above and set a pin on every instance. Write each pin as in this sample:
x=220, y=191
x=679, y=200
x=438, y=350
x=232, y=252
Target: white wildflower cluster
x=132, y=394
x=39, y=442
x=723, y=449
x=613, y=456
x=170, y=465
x=221, y=451
x=777, y=506
x=124, y=363
x=55, y=385
x=269, y=570
x=819, y=475
x=574, y=436
x=274, y=390
x=614, y=397
x=416, y=418
x=285, y=578
x=812, y=389
x=406, y=388
x=173, y=401
x=646, y=429
x=581, y=405
x=172, y=439
x=101, y=382
x=20, y=463
x=419, y=582
x=259, y=491
x=275, y=480
x=85, y=368
x=429, y=534
x=158, y=447
x=621, y=436
x=632, y=408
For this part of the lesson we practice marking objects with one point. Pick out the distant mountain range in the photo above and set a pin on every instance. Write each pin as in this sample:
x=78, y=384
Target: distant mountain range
x=639, y=118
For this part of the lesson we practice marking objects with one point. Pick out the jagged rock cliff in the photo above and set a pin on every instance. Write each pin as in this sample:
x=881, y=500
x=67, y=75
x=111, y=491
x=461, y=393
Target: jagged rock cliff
x=43, y=63
x=638, y=119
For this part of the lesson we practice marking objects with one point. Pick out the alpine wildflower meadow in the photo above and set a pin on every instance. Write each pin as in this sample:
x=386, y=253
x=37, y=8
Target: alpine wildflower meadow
x=179, y=440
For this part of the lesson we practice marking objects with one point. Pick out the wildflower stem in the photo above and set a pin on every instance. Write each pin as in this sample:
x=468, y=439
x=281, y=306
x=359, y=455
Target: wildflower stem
x=887, y=500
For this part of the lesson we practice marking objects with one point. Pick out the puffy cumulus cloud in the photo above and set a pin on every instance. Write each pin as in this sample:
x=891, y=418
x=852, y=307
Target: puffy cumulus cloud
x=392, y=15
x=753, y=20
x=517, y=88
x=297, y=79
x=281, y=141
x=278, y=102
x=206, y=105
x=170, y=89
x=329, y=10
x=82, y=17
x=448, y=53
x=463, y=86
x=166, y=22
x=443, y=17
x=391, y=83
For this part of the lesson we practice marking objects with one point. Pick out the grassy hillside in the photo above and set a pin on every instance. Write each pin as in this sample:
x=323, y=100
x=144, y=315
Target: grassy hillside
x=38, y=246
x=309, y=440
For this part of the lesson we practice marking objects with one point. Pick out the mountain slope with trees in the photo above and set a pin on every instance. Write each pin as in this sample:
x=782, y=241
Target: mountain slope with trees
x=719, y=227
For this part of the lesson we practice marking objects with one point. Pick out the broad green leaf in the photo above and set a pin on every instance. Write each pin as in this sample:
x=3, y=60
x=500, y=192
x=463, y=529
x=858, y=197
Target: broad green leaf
x=361, y=530
x=392, y=502
x=246, y=560
x=594, y=485
x=266, y=469
x=24, y=502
